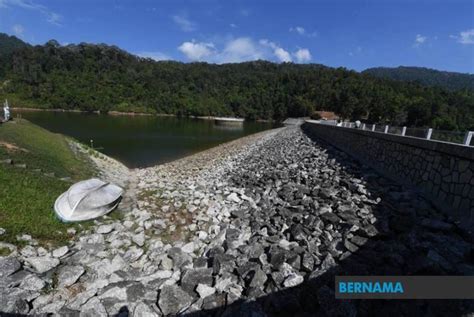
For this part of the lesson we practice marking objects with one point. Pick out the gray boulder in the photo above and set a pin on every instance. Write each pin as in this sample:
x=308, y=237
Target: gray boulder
x=173, y=299
x=42, y=264
x=68, y=275
x=8, y=266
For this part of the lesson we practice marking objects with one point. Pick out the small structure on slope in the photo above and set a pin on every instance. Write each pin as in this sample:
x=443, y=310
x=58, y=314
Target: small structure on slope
x=87, y=200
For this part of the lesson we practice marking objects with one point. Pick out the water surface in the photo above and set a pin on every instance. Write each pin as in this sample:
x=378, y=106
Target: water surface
x=140, y=141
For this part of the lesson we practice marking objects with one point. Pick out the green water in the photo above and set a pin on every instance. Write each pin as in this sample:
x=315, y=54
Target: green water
x=140, y=141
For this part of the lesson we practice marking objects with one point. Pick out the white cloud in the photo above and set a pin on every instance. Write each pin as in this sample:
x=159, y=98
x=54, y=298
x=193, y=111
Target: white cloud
x=280, y=53
x=240, y=50
x=157, y=56
x=302, y=55
x=184, y=23
x=298, y=29
x=52, y=17
x=236, y=50
x=18, y=29
x=302, y=31
x=197, y=51
x=465, y=37
x=232, y=25
x=419, y=40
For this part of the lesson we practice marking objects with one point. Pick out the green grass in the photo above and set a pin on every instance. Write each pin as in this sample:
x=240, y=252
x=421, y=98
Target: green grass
x=39, y=148
x=27, y=196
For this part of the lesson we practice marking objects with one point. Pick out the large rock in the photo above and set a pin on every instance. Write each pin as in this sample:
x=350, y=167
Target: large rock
x=173, y=299
x=204, y=290
x=32, y=283
x=104, y=229
x=68, y=275
x=8, y=266
x=43, y=263
x=144, y=310
x=293, y=280
x=59, y=252
x=93, y=308
x=193, y=277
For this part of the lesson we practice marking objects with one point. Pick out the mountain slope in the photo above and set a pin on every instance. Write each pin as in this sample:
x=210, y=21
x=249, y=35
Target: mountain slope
x=9, y=44
x=425, y=76
x=93, y=77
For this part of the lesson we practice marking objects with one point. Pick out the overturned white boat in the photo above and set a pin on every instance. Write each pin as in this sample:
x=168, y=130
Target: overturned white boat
x=87, y=200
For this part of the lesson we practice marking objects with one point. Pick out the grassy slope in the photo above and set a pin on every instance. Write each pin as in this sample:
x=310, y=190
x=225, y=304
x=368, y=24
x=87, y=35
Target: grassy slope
x=27, y=196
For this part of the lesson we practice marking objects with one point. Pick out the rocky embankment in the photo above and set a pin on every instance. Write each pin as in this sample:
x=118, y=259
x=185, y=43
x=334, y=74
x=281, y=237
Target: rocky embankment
x=259, y=226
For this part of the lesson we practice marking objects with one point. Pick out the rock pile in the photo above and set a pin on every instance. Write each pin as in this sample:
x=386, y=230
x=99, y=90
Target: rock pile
x=259, y=226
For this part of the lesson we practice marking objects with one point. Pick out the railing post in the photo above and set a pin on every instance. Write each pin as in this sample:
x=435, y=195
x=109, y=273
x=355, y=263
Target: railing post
x=468, y=138
x=404, y=131
x=373, y=127
x=386, y=129
x=428, y=134
x=363, y=126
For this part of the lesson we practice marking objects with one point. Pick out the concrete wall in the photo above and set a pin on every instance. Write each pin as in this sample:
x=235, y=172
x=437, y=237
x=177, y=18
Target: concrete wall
x=442, y=172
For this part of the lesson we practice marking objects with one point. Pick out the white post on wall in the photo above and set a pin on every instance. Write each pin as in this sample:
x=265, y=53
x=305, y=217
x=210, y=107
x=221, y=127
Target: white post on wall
x=373, y=127
x=386, y=129
x=404, y=131
x=363, y=126
x=468, y=138
x=428, y=134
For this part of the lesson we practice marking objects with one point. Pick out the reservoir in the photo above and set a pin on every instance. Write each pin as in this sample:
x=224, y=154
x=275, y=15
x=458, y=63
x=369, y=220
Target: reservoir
x=142, y=141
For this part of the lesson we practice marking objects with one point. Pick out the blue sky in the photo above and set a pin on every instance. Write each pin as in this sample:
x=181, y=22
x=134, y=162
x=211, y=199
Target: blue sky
x=353, y=34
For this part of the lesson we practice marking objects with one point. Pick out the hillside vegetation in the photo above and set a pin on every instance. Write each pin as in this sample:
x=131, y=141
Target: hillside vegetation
x=100, y=77
x=425, y=76
x=28, y=193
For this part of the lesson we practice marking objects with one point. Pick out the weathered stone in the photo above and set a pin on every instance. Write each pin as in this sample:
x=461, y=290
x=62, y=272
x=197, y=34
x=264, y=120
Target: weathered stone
x=233, y=197
x=193, y=277
x=204, y=290
x=133, y=253
x=42, y=264
x=350, y=246
x=307, y=262
x=139, y=239
x=8, y=266
x=173, y=299
x=93, y=307
x=360, y=241
x=104, y=229
x=68, y=275
x=258, y=279
x=144, y=310
x=32, y=283
x=179, y=257
x=188, y=247
x=293, y=280
x=59, y=252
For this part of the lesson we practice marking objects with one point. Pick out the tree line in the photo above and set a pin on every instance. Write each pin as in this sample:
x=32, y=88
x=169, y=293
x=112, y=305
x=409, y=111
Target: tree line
x=101, y=77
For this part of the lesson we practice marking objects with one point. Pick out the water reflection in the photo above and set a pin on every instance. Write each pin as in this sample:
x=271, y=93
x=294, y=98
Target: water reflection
x=140, y=141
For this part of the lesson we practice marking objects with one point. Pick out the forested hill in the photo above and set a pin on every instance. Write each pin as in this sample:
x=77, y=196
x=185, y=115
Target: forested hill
x=9, y=44
x=101, y=77
x=425, y=76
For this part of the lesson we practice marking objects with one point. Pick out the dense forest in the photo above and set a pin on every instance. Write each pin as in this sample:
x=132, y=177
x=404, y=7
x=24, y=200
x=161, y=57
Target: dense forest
x=425, y=76
x=101, y=77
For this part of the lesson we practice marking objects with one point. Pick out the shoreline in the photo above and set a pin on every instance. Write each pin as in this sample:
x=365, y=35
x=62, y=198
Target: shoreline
x=120, y=113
